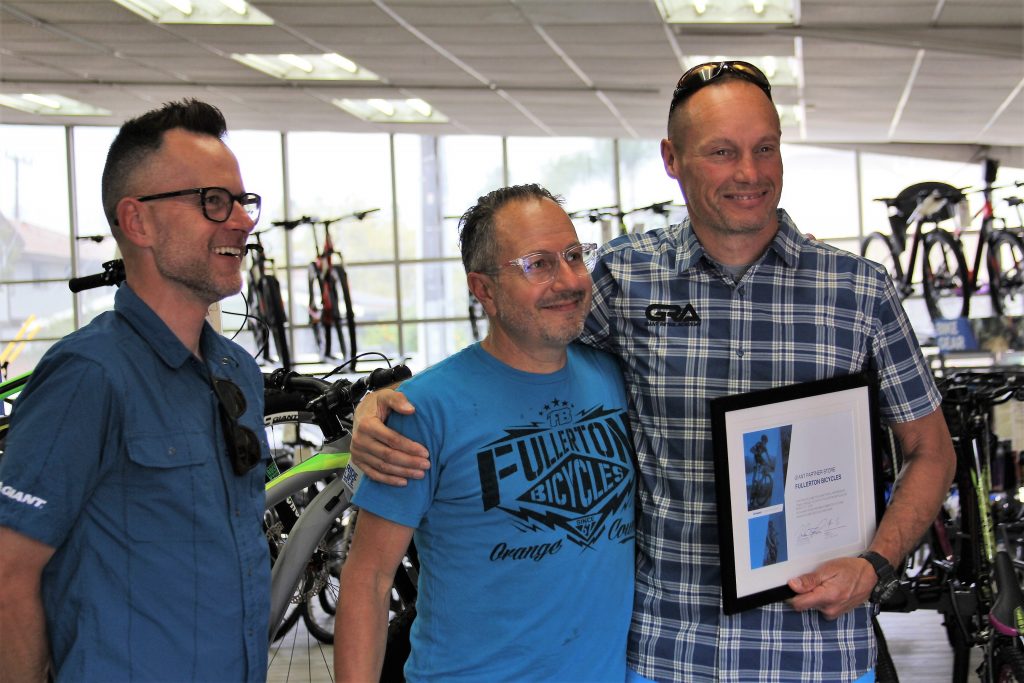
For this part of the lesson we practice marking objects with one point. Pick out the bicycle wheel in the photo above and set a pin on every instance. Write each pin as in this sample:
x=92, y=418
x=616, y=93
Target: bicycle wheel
x=319, y=607
x=1006, y=273
x=1008, y=661
x=273, y=306
x=946, y=287
x=318, y=320
x=256, y=322
x=879, y=248
x=341, y=279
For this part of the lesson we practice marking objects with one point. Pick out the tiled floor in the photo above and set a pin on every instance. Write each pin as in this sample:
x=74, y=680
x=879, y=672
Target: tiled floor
x=916, y=640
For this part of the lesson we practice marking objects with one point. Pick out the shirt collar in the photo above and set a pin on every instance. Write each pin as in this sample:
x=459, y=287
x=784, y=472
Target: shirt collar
x=786, y=243
x=155, y=332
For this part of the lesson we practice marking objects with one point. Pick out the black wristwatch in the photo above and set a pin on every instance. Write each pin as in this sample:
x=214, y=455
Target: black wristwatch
x=888, y=582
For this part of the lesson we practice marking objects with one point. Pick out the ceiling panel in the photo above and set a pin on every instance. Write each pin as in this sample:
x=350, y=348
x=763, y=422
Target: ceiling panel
x=548, y=57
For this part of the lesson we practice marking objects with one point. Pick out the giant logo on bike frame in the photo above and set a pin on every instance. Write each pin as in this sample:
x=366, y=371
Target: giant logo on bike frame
x=568, y=470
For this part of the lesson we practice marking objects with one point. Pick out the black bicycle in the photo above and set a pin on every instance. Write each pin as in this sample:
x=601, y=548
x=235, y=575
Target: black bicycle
x=267, y=318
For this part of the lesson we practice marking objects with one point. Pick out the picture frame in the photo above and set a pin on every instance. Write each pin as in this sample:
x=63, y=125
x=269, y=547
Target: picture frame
x=798, y=477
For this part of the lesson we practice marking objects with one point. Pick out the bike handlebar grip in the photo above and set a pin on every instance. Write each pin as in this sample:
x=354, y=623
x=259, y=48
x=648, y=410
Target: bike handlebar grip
x=382, y=377
x=80, y=284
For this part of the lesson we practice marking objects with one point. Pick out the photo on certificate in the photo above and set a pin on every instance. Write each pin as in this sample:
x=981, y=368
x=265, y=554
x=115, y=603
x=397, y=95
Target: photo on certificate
x=797, y=477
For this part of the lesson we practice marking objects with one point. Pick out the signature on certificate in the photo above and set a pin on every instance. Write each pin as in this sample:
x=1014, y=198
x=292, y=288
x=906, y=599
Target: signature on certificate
x=826, y=527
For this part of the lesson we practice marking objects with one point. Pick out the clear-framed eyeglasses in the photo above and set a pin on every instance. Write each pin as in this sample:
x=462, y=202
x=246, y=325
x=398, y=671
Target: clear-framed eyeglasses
x=216, y=202
x=540, y=267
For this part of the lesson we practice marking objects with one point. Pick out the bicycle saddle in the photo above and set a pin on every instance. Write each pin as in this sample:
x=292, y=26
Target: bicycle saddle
x=910, y=197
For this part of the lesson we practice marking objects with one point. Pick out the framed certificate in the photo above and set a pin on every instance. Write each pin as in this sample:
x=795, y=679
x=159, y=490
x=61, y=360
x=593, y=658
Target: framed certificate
x=798, y=481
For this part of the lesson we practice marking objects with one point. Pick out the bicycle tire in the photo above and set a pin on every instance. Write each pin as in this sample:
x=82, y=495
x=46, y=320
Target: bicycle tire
x=944, y=273
x=1008, y=661
x=276, y=319
x=255, y=322
x=879, y=248
x=341, y=278
x=1006, y=273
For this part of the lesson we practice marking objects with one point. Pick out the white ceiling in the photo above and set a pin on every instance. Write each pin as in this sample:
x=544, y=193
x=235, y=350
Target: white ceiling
x=875, y=71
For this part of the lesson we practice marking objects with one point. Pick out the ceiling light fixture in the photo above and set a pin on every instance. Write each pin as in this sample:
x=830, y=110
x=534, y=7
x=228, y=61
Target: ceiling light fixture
x=50, y=104
x=781, y=71
x=377, y=110
x=318, y=67
x=197, y=11
x=297, y=61
x=729, y=11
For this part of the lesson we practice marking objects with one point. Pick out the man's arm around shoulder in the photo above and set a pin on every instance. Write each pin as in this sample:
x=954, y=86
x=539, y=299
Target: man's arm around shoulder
x=25, y=653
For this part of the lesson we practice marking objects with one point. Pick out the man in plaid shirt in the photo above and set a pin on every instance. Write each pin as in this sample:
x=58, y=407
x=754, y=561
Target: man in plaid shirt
x=736, y=299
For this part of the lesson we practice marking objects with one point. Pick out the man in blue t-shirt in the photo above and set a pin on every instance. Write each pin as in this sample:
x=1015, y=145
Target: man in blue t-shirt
x=131, y=544
x=524, y=525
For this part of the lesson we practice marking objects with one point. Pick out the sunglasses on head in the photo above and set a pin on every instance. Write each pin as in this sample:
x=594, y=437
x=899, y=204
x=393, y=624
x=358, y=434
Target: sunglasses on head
x=243, y=444
x=702, y=74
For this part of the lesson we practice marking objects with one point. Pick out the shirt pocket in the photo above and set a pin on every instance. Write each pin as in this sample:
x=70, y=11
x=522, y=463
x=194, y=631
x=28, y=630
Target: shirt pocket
x=169, y=487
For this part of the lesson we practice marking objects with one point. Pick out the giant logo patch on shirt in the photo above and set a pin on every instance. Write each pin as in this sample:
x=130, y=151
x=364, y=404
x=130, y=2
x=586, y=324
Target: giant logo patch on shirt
x=568, y=470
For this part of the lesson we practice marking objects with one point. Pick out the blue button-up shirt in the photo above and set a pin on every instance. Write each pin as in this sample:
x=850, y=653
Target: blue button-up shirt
x=685, y=333
x=116, y=458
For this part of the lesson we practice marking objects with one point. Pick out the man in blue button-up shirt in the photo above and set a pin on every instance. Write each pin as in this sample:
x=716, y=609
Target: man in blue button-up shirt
x=130, y=525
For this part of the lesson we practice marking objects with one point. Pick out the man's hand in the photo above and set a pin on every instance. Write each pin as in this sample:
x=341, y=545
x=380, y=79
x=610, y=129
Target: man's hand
x=835, y=587
x=382, y=453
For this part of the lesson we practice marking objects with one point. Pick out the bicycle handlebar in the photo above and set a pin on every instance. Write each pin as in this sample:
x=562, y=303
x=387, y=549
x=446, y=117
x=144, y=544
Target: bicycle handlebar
x=291, y=225
x=358, y=215
x=333, y=402
x=113, y=274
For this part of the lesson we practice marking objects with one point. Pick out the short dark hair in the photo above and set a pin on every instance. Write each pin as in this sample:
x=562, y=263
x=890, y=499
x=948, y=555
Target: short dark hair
x=142, y=136
x=476, y=227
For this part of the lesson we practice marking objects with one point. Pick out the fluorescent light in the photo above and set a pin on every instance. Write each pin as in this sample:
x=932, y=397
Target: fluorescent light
x=41, y=100
x=420, y=106
x=237, y=6
x=183, y=6
x=378, y=110
x=197, y=11
x=728, y=11
x=383, y=106
x=297, y=61
x=50, y=104
x=313, y=67
x=341, y=62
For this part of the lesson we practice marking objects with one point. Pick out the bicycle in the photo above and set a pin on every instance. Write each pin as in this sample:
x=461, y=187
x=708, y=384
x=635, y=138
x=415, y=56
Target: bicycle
x=325, y=277
x=263, y=299
x=308, y=553
x=961, y=568
x=947, y=283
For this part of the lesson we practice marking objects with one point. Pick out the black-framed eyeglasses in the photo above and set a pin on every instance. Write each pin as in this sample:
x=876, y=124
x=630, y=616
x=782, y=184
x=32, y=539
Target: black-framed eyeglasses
x=243, y=444
x=697, y=77
x=216, y=202
x=540, y=267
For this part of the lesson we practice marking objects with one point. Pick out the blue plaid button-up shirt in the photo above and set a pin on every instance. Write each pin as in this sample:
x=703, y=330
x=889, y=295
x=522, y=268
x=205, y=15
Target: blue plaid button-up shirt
x=685, y=333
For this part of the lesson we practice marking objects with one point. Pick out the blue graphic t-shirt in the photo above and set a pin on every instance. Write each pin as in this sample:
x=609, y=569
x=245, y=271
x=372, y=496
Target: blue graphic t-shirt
x=524, y=522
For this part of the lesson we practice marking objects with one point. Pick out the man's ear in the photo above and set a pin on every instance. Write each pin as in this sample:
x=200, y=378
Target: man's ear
x=668, y=157
x=134, y=223
x=482, y=286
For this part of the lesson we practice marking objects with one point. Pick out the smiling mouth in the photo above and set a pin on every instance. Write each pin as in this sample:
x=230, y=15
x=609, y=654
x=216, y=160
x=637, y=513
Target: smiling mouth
x=234, y=252
x=747, y=196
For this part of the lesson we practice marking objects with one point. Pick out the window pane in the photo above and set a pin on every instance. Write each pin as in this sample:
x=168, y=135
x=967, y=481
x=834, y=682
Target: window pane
x=434, y=290
x=336, y=174
x=47, y=304
x=820, y=190
x=422, y=231
x=579, y=169
x=470, y=168
x=34, y=220
x=428, y=343
x=642, y=175
x=91, y=146
x=259, y=160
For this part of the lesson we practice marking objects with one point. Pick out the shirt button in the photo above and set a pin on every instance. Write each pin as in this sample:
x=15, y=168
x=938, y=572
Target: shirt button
x=739, y=352
x=171, y=451
x=237, y=513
